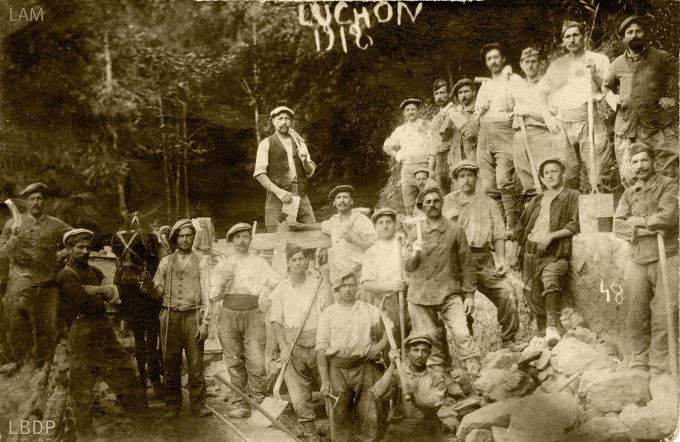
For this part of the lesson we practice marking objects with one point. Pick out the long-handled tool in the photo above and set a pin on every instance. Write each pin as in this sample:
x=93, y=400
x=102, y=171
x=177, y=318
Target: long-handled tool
x=530, y=155
x=256, y=406
x=389, y=325
x=402, y=304
x=670, y=317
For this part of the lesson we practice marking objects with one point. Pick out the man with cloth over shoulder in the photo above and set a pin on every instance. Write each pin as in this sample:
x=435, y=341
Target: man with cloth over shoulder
x=464, y=143
x=442, y=129
x=243, y=282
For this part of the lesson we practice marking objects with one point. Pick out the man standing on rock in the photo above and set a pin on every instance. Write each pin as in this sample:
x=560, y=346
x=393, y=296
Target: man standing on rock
x=482, y=222
x=442, y=135
x=570, y=81
x=646, y=208
x=348, y=340
x=282, y=167
x=544, y=233
x=351, y=232
x=182, y=280
x=31, y=244
x=443, y=283
x=646, y=80
x=242, y=282
x=289, y=302
x=94, y=351
x=464, y=143
x=411, y=145
x=493, y=111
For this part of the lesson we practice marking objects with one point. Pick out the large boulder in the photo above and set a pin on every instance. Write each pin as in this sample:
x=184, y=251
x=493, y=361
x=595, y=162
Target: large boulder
x=544, y=417
x=600, y=429
x=501, y=359
x=571, y=355
x=497, y=385
x=496, y=414
x=612, y=391
x=658, y=418
x=479, y=436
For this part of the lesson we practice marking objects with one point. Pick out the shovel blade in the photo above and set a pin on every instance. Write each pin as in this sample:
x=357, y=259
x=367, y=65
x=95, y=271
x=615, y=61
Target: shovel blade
x=595, y=212
x=274, y=406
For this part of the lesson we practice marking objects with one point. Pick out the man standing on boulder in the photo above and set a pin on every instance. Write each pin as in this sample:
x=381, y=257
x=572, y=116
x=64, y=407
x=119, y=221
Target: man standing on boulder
x=647, y=207
x=282, y=167
x=442, y=135
x=544, y=233
x=482, y=222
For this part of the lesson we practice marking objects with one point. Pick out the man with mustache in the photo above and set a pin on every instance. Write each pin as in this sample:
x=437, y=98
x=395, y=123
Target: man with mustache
x=442, y=134
x=649, y=206
x=422, y=177
x=544, y=232
x=646, y=80
x=464, y=143
x=414, y=420
x=283, y=166
x=569, y=82
x=411, y=145
x=493, y=111
x=443, y=283
x=482, y=222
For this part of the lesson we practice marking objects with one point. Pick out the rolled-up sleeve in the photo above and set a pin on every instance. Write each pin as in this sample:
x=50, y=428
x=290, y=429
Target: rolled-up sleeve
x=323, y=332
x=262, y=158
x=276, y=309
x=432, y=397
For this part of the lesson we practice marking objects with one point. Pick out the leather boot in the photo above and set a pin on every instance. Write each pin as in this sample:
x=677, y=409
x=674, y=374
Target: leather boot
x=552, y=313
x=510, y=209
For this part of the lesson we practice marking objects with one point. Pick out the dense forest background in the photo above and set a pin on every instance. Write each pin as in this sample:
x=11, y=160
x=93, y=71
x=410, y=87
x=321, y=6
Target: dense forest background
x=157, y=106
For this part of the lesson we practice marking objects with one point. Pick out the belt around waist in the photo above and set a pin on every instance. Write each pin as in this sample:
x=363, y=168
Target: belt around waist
x=480, y=250
x=347, y=362
x=531, y=248
x=574, y=115
x=496, y=124
x=181, y=310
x=239, y=302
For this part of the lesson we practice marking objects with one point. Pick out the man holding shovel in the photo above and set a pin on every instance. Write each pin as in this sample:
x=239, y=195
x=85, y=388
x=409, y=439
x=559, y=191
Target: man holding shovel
x=290, y=300
x=647, y=208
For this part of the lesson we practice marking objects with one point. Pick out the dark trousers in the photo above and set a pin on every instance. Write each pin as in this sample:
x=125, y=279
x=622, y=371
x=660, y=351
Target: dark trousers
x=96, y=355
x=545, y=275
x=178, y=332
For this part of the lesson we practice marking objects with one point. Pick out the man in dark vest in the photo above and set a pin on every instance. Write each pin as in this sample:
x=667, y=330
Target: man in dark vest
x=283, y=166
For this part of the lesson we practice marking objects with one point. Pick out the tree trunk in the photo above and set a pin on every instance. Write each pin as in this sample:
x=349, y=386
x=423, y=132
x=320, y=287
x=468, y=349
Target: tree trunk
x=256, y=82
x=185, y=160
x=166, y=163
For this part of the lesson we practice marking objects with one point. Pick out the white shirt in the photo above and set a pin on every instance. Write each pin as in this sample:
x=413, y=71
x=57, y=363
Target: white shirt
x=496, y=92
x=412, y=142
x=262, y=157
x=252, y=276
x=344, y=256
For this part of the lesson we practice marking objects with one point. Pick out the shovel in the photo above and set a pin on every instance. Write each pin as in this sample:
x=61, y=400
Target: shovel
x=670, y=319
x=275, y=405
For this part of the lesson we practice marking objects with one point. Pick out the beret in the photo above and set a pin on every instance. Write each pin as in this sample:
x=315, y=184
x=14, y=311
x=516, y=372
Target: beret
x=338, y=282
x=172, y=238
x=439, y=83
x=238, y=227
x=73, y=232
x=31, y=188
x=464, y=164
x=639, y=147
x=408, y=101
x=568, y=24
x=341, y=188
x=548, y=161
x=278, y=110
x=385, y=211
x=418, y=338
x=529, y=52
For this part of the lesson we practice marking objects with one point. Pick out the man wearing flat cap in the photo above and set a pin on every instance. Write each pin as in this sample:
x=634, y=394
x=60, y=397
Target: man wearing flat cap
x=31, y=242
x=646, y=208
x=464, y=143
x=493, y=111
x=544, y=234
x=351, y=232
x=182, y=280
x=283, y=167
x=568, y=83
x=411, y=145
x=482, y=222
x=414, y=419
x=442, y=134
x=527, y=111
x=422, y=177
x=94, y=351
x=646, y=81
x=243, y=282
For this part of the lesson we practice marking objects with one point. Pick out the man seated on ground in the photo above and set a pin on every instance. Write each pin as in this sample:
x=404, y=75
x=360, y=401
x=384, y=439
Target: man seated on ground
x=348, y=341
x=289, y=301
x=414, y=419
x=544, y=232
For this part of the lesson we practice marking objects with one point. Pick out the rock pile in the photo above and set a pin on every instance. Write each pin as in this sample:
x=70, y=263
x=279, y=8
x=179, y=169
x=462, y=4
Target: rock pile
x=577, y=391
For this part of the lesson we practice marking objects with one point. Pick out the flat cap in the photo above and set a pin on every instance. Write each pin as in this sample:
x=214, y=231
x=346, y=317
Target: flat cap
x=462, y=82
x=408, y=101
x=31, y=188
x=549, y=161
x=529, y=52
x=568, y=24
x=73, y=232
x=629, y=21
x=418, y=338
x=338, y=282
x=385, y=211
x=487, y=48
x=278, y=110
x=179, y=225
x=439, y=83
x=464, y=165
x=238, y=227
x=422, y=169
x=341, y=188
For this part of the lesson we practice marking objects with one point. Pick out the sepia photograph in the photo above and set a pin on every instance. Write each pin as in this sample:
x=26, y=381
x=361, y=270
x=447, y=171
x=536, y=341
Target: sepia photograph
x=336, y=221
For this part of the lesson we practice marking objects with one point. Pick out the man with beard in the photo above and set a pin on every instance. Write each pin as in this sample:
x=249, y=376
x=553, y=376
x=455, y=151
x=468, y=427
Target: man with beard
x=351, y=232
x=493, y=110
x=283, y=166
x=349, y=338
x=94, y=351
x=544, y=231
x=569, y=81
x=410, y=144
x=482, y=222
x=527, y=111
x=415, y=419
x=464, y=143
x=31, y=245
x=646, y=80
x=649, y=206
x=182, y=280
x=442, y=135
x=443, y=283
